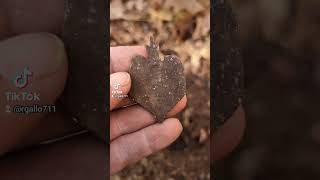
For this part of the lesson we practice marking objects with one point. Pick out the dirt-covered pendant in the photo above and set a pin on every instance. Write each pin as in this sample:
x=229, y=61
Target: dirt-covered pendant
x=228, y=75
x=157, y=85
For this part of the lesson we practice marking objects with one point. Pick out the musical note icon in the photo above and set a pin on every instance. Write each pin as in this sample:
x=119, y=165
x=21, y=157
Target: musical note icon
x=116, y=86
x=22, y=80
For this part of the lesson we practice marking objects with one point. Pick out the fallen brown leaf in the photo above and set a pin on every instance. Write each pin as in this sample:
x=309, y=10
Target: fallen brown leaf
x=192, y=6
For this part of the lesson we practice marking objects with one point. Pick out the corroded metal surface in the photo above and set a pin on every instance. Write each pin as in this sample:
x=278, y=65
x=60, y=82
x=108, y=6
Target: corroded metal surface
x=157, y=85
x=228, y=64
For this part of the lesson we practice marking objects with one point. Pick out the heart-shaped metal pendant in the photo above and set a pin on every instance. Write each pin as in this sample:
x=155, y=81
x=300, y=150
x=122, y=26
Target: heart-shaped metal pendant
x=157, y=85
x=228, y=71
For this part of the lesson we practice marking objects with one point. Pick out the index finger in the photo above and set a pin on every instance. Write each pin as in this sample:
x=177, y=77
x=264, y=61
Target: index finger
x=120, y=57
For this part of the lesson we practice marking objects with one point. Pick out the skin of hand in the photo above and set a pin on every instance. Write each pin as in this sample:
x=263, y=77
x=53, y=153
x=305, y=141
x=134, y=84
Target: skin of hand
x=133, y=131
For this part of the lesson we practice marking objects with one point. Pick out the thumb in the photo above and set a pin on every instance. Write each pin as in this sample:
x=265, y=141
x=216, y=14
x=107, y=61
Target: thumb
x=120, y=84
x=33, y=70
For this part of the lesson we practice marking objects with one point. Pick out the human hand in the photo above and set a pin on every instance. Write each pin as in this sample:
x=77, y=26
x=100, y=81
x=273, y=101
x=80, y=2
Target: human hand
x=134, y=134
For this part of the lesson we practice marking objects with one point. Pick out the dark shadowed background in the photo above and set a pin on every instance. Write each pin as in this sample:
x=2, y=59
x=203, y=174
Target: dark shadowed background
x=280, y=47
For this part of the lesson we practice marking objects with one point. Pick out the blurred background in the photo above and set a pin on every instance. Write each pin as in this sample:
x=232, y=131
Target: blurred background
x=182, y=27
x=280, y=46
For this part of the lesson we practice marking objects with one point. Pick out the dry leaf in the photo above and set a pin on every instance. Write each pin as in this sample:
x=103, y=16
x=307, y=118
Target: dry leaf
x=184, y=23
x=203, y=26
x=160, y=15
x=192, y=6
x=136, y=4
x=203, y=136
x=116, y=9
